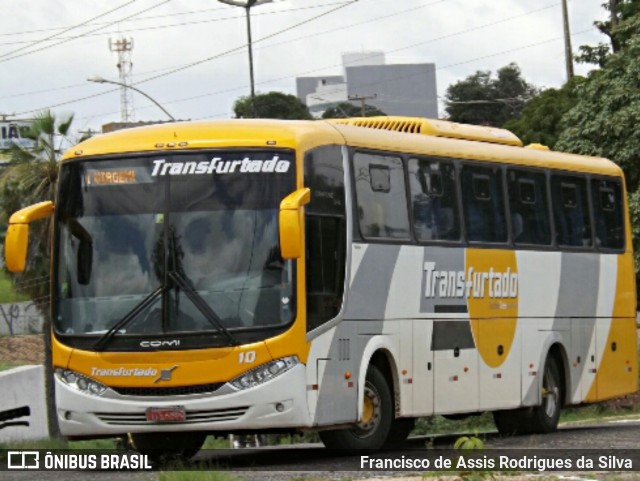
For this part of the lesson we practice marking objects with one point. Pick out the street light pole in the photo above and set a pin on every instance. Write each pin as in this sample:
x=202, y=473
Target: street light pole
x=100, y=80
x=247, y=4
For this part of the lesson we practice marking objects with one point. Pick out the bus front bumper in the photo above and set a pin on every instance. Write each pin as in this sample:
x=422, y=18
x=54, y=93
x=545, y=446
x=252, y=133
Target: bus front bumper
x=278, y=403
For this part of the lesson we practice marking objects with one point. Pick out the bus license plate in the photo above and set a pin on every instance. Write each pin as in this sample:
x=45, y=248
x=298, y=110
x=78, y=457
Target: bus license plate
x=173, y=414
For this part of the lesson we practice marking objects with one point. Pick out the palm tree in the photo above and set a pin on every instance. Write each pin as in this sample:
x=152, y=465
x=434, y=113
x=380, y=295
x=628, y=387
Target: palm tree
x=30, y=177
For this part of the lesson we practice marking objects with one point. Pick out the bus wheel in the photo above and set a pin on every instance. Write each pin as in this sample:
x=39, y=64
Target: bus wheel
x=544, y=418
x=373, y=429
x=164, y=447
x=539, y=419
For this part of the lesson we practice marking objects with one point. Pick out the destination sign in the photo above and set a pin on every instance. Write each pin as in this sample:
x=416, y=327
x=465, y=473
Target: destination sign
x=110, y=177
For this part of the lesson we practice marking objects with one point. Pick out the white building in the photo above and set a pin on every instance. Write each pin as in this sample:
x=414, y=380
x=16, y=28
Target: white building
x=396, y=89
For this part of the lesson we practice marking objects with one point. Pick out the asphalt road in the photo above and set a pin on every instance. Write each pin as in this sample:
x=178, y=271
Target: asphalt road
x=312, y=460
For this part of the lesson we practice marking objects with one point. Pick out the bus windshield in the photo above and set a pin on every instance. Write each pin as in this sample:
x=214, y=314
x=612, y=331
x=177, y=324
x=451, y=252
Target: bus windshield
x=173, y=244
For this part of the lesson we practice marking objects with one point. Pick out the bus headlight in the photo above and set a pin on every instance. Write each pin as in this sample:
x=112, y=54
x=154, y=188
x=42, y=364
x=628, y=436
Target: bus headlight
x=80, y=382
x=264, y=373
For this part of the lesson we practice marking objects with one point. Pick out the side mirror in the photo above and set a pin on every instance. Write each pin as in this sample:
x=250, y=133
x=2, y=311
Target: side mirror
x=292, y=223
x=17, y=240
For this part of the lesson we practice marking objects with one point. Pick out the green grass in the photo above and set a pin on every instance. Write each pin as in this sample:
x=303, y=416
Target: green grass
x=8, y=293
x=484, y=422
x=196, y=476
x=213, y=442
x=5, y=365
x=595, y=412
x=61, y=444
x=94, y=444
x=442, y=425
x=108, y=443
x=39, y=444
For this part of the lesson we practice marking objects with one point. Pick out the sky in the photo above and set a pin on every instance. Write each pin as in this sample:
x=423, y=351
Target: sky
x=190, y=55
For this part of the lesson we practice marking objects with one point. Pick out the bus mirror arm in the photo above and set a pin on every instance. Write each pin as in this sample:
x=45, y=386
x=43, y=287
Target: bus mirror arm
x=17, y=240
x=292, y=223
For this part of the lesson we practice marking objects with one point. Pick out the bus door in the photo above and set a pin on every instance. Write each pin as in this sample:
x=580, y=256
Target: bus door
x=422, y=368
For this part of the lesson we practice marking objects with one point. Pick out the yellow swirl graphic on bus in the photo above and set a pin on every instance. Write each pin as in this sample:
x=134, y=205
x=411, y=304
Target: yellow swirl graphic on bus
x=493, y=303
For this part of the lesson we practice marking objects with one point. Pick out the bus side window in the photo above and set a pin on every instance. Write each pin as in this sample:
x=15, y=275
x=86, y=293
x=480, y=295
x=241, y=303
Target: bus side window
x=326, y=234
x=529, y=207
x=434, y=200
x=607, y=206
x=483, y=204
x=571, y=211
x=381, y=196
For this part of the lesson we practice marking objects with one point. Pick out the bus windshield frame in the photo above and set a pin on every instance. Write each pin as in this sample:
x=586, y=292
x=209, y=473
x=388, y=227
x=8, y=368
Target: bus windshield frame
x=172, y=251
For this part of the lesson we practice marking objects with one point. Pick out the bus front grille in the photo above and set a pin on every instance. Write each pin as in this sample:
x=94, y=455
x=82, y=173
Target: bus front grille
x=193, y=417
x=168, y=391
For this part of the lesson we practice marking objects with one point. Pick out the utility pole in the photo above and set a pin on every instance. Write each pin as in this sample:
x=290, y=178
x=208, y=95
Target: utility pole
x=87, y=134
x=613, y=11
x=568, y=52
x=362, y=99
x=124, y=47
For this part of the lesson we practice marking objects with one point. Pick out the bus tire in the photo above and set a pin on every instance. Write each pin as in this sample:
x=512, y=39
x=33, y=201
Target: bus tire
x=539, y=419
x=165, y=447
x=373, y=429
x=399, y=432
x=544, y=418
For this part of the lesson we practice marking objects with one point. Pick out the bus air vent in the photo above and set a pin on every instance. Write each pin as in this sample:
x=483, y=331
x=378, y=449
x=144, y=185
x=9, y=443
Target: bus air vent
x=168, y=391
x=437, y=128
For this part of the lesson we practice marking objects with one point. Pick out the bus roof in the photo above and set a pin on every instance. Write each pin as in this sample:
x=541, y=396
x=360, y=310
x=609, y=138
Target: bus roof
x=447, y=139
x=211, y=134
x=396, y=134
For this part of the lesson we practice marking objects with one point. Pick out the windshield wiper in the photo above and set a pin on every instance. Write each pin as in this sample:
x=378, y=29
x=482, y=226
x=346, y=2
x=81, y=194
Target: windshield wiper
x=131, y=315
x=190, y=292
x=206, y=310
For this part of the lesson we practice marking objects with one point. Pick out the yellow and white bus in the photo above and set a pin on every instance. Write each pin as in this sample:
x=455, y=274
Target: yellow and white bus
x=340, y=276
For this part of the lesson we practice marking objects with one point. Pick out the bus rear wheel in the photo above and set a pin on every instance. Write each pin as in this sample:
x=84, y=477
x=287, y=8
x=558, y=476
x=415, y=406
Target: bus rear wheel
x=544, y=418
x=540, y=419
x=373, y=429
x=166, y=447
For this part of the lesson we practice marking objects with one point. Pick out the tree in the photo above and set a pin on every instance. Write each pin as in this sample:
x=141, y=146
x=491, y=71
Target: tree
x=540, y=118
x=32, y=176
x=606, y=118
x=347, y=109
x=606, y=121
x=483, y=100
x=273, y=105
x=621, y=26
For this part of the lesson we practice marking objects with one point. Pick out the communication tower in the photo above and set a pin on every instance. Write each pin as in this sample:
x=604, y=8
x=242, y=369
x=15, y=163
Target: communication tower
x=124, y=47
